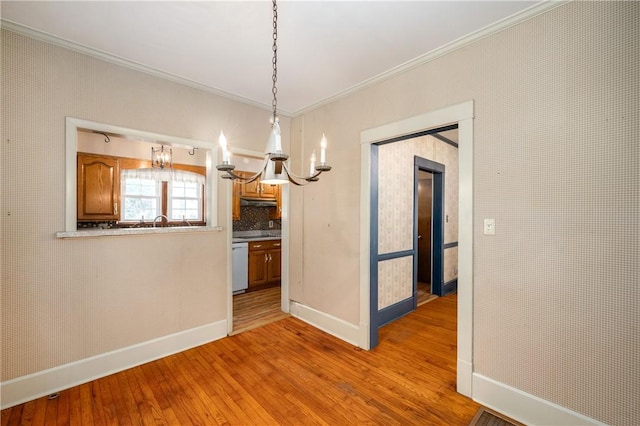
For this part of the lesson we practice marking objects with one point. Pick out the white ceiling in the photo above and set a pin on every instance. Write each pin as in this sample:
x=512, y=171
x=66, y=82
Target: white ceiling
x=324, y=47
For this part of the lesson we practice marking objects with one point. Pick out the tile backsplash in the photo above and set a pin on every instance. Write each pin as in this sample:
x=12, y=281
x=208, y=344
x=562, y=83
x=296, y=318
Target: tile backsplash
x=255, y=218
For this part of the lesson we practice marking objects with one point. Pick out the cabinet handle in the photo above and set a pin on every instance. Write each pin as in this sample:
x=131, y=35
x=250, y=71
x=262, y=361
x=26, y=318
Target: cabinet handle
x=266, y=258
x=269, y=257
x=115, y=208
x=256, y=246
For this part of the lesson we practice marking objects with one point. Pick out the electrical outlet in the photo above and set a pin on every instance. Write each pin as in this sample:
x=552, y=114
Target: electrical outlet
x=489, y=227
x=270, y=224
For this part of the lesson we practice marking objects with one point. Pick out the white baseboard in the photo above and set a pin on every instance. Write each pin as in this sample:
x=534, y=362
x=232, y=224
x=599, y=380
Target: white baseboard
x=335, y=326
x=32, y=386
x=523, y=407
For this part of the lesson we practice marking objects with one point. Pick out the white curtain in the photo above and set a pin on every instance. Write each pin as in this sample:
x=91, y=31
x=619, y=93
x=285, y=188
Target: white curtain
x=169, y=175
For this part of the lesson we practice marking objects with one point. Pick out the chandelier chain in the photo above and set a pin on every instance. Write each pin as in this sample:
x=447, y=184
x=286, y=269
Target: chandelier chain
x=274, y=61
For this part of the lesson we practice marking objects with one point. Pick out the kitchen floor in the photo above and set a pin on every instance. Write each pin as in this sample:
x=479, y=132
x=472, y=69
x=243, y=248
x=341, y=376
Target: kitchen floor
x=256, y=308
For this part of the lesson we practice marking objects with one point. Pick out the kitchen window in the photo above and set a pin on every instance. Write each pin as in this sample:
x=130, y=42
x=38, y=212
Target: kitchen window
x=143, y=200
x=186, y=201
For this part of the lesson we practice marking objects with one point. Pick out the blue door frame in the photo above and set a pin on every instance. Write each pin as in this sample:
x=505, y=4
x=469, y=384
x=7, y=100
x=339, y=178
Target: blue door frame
x=381, y=317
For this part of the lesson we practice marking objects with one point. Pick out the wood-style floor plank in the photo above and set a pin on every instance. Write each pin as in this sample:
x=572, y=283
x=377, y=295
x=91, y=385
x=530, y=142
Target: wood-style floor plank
x=283, y=373
x=256, y=308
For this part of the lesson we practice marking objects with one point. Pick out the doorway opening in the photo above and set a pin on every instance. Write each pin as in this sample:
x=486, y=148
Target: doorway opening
x=372, y=256
x=256, y=247
x=395, y=167
x=424, y=289
x=428, y=223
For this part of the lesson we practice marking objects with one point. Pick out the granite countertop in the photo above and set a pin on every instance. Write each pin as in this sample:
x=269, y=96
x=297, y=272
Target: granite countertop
x=246, y=236
x=88, y=233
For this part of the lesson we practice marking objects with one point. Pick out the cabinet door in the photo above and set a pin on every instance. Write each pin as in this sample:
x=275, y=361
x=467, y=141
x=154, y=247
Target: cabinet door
x=257, y=267
x=251, y=189
x=235, y=206
x=98, y=188
x=268, y=191
x=274, y=272
x=277, y=212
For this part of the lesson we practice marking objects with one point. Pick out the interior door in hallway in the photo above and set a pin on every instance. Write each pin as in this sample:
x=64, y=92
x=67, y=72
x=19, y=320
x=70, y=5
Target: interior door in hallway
x=425, y=211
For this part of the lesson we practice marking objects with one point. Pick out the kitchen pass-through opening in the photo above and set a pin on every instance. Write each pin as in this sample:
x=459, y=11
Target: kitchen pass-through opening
x=256, y=249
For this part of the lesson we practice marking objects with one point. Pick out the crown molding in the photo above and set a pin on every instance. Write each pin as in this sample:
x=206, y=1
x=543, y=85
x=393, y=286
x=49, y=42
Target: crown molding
x=108, y=57
x=509, y=21
x=461, y=42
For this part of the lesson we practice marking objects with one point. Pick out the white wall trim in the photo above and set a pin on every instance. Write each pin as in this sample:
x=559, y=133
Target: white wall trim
x=36, y=385
x=464, y=374
x=522, y=406
x=337, y=327
x=365, y=241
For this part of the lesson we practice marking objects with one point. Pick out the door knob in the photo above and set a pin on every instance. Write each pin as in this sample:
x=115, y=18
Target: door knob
x=419, y=237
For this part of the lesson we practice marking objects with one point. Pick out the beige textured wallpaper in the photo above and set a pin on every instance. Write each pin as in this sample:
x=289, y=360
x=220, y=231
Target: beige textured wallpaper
x=64, y=300
x=556, y=164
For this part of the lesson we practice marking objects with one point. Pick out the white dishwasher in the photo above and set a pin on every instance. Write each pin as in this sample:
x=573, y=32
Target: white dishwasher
x=240, y=267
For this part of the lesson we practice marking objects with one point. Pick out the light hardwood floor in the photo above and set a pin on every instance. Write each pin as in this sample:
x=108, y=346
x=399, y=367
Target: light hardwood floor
x=424, y=293
x=256, y=308
x=286, y=372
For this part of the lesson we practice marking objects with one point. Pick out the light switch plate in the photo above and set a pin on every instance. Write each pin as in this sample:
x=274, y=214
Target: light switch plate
x=489, y=227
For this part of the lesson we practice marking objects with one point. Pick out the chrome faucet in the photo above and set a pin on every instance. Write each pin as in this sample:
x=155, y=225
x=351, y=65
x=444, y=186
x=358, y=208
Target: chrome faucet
x=160, y=216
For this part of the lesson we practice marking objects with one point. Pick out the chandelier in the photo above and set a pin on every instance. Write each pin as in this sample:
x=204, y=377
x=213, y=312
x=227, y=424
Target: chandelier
x=161, y=158
x=275, y=170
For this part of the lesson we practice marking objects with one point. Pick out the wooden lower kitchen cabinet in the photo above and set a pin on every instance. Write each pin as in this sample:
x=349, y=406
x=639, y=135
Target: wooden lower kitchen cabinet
x=264, y=264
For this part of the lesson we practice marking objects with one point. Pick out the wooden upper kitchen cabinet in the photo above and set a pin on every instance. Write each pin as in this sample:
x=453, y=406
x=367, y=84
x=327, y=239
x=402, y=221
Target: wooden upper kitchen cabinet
x=256, y=190
x=276, y=213
x=264, y=263
x=98, y=181
x=235, y=201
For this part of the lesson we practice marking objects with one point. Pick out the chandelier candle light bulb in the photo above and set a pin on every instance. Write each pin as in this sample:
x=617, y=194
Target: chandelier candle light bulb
x=312, y=167
x=276, y=128
x=222, y=140
x=323, y=149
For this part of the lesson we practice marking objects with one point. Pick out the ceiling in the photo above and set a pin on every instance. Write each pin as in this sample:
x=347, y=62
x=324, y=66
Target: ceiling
x=325, y=48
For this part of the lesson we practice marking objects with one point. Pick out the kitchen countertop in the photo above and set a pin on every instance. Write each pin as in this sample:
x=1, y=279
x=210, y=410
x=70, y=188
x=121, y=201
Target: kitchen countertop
x=90, y=233
x=248, y=239
x=246, y=236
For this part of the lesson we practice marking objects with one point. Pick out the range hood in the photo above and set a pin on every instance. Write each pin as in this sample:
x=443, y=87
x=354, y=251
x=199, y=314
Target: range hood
x=259, y=202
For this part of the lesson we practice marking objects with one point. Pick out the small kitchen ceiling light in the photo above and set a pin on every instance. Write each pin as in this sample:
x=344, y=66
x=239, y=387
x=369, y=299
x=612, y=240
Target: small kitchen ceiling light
x=275, y=170
x=161, y=157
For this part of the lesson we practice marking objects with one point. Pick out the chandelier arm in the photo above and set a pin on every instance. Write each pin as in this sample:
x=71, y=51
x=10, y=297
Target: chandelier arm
x=243, y=179
x=300, y=180
x=233, y=176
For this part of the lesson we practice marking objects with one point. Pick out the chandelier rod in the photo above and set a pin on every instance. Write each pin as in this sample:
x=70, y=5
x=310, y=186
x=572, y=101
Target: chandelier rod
x=274, y=62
